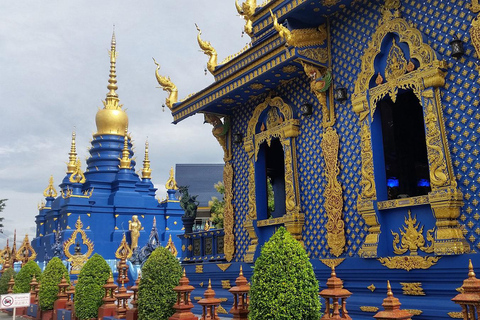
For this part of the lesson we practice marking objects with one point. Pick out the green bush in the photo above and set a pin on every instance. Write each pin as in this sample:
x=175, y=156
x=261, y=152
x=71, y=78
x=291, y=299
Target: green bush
x=283, y=285
x=89, y=290
x=160, y=274
x=51, y=277
x=24, y=277
x=6, y=276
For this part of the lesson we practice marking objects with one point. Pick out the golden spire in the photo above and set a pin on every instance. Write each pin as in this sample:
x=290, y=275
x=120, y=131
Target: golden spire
x=72, y=155
x=125, y=161
x=146, y=171
x=171, y=183
x=50, y=190
x=389, y=289
x=112, y=119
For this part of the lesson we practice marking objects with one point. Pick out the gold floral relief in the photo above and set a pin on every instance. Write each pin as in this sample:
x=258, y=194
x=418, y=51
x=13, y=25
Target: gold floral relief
x=333, y=193
x=77, y=260
x=412, y=237
x=409, y=262
x=368, y=180
x=412, y=288
x=228, y=214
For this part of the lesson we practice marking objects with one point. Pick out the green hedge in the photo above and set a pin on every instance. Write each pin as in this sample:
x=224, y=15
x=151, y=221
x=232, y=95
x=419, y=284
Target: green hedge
x=160, y=274
x=51, y=277
x=6, y=276
x=283, y=285
x=24, y=277
x=89, y=289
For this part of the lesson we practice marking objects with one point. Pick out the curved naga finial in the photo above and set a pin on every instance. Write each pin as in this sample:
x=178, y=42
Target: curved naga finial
x=282, y=31
x=247, y=10
x=167, y=85
x=208, y=50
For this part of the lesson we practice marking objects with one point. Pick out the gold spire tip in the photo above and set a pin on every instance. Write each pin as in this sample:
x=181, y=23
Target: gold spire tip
x=389, y=289
x=184, y=274
x=471, y=273
x=333, y=272
x=241, y=270
x=209, y=283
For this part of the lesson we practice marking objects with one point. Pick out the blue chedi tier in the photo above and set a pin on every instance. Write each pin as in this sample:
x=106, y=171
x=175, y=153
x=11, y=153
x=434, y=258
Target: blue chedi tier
x=95, y=208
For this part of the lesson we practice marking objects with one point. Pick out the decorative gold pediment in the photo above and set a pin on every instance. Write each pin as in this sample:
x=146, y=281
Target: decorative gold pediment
x=26, y=252
x=78, y=259
x=123, y=250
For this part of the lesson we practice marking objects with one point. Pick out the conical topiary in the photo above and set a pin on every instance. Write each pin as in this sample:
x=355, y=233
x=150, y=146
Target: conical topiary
x=51, y=277
x=283, y=285
x=89, y=289
x=24, y=277
x=160, y=274
x=5, y=278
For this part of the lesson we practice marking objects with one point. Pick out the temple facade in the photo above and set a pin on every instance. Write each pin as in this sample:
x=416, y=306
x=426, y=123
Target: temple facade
x=96, y=208
x=362, y=118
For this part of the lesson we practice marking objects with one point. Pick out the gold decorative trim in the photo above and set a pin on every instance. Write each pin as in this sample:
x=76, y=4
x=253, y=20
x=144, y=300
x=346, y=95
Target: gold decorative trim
x=26, y=252
x=226, y=284
x=368, y=309
x=228, y=212
x=316, y=54
x=221, y=310
x=270, y=222
x=50, y=191
x=171, y=246
x=415, y=312
x=199, y=268
x=77, y=261
x=332, y=263
x=123, y=250
x=456, y=315
x=412, y=237
x=406, y=202
x=409, y=262
x=77, y=176
x=412, y=288
x=371, y=287
x=223, y=266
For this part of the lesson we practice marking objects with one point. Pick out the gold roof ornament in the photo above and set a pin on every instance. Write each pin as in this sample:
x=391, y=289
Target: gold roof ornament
x=123, y=250
x=171, y=183
x=77, y=175
x=247, y=10
x=112, y=119
x=282, y=31
x=50, y=191
x=146, y=171
x=125, y=161
x=167, y=85
x=208, y=50
x=72, y=155
x=171, y=246
x=77, y=259
x=26, y=252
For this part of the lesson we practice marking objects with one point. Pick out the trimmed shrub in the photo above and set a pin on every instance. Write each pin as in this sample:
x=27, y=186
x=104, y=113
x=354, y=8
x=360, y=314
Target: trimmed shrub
x=283, y=285
x=89, y=291
x=160, y=274
x=24, y=277
x=51, y=277
x=6, y=276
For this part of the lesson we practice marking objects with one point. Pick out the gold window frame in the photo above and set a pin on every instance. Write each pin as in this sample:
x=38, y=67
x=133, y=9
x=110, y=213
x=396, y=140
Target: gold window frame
x=425, y=80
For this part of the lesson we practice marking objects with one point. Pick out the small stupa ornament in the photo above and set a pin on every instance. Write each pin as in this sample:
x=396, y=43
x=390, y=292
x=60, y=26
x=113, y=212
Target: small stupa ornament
x=72, y=155
x=146, y=171
x=125, y=161
x=50, y=191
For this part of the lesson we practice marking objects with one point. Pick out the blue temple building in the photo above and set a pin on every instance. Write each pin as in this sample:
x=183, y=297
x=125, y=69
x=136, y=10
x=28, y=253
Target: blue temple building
x=97, y=207
x=363, y=116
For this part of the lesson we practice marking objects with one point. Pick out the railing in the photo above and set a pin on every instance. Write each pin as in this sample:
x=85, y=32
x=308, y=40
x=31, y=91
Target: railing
x=203, y=246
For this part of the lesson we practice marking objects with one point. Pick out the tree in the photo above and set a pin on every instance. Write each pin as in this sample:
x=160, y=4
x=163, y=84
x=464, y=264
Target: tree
x=5, y=278
x=160, y=274
x=89, y=290
x=217, y=206
x=284, y=286
x=52, y=275
x=24, y=277
x=2, y=206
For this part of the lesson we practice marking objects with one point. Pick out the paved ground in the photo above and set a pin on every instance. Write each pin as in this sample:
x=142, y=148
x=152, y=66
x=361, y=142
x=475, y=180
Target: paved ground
x=5, y=316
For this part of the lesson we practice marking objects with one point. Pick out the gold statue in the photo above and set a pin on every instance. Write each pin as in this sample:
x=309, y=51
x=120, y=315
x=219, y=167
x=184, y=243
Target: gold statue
x=134, y=226
x=208, y=50
x=167, y=85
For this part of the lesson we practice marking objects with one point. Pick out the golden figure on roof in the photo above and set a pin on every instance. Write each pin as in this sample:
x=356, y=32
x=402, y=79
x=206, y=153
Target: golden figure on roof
x=208, y=50
x=167, y=85
x=247, y=10
x=50, y=190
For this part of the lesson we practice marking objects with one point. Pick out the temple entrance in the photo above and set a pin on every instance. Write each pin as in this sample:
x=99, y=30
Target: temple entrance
x=404, y=147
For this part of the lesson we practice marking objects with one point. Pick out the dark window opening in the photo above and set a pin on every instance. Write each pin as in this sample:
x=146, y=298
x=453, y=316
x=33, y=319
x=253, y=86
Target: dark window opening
x=275, y=169
x=404, y=147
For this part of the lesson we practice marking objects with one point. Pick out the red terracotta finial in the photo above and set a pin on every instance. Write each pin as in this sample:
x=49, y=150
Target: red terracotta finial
x=389, y=289
x=471, y=273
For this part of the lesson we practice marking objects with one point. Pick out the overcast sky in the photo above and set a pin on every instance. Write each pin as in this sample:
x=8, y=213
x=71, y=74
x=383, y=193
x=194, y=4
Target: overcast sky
x=54, y=68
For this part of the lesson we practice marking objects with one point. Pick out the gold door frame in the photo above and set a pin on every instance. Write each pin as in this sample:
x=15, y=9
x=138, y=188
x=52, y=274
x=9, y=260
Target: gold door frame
x=286, y=130
x=445, y=198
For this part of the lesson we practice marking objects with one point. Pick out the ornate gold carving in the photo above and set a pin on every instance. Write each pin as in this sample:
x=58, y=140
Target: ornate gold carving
x=228, y=213
x=368, y=309
x=460, y=289
x=371, y=287
x=248, y=225
x=171, y=183
x=315, y=54
x=77, y=176
x=409, y=262
x=256, y=86
x=368, y=180
x=167, y=85
x=475, y=28
x=405, y=202
x=226, y=284
x=50, y=191
x=414, y=312
x=252, y=198
x=77, y=260
x=412, y=237
x=171, y=246
x=123, y=250
x=26, y=252
x=332, y=263
x=220, y=131
x=330, y=3
x=396, y=63
x=223, y=266
x=247, y=10
x=208, y=50
x=320, y=82
x=474, y=6
x=370, y=245
x=134, y=226
x=392, y=4
x=412, y=288
x=198, y=268
x=221, y=309
x=456, y=315
x=333, y=193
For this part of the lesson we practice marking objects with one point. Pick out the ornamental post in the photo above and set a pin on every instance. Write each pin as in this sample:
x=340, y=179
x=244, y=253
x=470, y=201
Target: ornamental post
x=11, y=283
x=33, y=287
x=240, y=297
x=108, y=308
x=132, y=314
x=392, y=308
x=332, y=295
x=209, y=304
x=183, y=305
x=469, y=299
